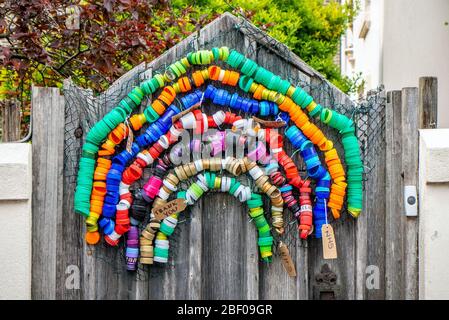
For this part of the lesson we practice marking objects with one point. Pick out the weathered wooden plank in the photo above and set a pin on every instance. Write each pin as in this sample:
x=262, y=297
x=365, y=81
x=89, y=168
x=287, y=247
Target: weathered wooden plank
x=10, y=113
x=110, y=278
x=300, y=246
x=346, y=225
x=185, y=281
x=187, y=278
x=394, y=242
x=275, y=282
x=223, y=257
x=189, y=250
x=73, y=247
x=99, y=281
x=428, y=102
x=419, y=110
x=361, y=254
x=138, y=282
x=195, y=249
x=375, y=209
x=99, y=264
x=121, y=284
x=344, y=266
x=251, y=271
x=229, y=256
x=302, y=279
x=361, y=226
x=410, y=126
x=162, y=284
x=48, y=146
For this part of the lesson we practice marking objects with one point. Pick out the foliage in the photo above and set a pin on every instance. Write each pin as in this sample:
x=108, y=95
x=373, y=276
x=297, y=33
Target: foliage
x=311, y=28
x=94, y=42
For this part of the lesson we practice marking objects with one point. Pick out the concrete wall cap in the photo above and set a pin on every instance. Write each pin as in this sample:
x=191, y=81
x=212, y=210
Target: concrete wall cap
x=434, y=143
x=15, y=171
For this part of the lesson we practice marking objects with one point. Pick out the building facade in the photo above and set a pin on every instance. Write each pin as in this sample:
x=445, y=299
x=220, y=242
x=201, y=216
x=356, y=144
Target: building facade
x=394, y=42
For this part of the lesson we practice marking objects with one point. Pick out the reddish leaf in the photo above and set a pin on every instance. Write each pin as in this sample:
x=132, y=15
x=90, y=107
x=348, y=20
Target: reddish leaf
x=108, y=4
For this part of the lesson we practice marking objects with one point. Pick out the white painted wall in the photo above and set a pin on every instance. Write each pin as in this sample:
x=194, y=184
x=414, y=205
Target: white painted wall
x=407, y=39
x=367, y=52
x=416, y=44
x=433, y=214
x=15, y=221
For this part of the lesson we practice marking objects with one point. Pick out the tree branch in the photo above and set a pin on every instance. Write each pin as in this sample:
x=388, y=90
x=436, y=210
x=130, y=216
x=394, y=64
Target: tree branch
x=71, y=59
x=23, y=57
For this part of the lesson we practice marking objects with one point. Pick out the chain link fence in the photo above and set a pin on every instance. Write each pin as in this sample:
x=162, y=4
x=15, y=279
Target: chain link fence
x=84, y=108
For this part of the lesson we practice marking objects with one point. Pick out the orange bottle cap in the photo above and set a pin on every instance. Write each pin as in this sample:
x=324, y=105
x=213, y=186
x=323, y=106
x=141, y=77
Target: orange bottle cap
x=92, y=237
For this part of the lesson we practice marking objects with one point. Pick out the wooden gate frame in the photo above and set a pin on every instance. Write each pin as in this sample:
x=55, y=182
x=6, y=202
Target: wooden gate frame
x=60, y=256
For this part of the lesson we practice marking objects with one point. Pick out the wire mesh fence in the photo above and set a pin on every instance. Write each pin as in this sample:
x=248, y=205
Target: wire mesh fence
x=84, y=108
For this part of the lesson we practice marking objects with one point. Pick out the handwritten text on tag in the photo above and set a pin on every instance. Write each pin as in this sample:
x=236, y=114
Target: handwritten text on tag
x=174, y=206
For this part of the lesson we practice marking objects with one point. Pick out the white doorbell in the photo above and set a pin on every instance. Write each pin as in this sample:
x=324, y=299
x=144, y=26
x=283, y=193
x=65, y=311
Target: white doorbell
x=410, y=201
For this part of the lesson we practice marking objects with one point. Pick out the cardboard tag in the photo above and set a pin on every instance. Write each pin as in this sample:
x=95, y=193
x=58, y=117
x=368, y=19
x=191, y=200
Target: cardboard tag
x=329, y=244
x=270, y=124
x=174, y=206
x=286, y=259
x=130, y=140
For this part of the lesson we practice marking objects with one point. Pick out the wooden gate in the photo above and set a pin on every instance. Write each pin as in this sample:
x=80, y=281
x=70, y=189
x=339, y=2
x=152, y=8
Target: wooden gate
x=216, y=255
